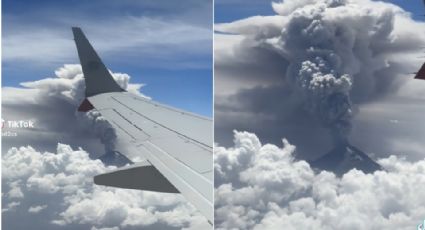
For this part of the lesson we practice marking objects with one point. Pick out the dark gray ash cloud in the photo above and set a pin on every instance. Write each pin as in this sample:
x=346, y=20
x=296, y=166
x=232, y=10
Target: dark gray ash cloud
x=317, y=63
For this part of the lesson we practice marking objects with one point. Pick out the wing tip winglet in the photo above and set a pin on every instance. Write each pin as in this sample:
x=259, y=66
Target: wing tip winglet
x=97, y=77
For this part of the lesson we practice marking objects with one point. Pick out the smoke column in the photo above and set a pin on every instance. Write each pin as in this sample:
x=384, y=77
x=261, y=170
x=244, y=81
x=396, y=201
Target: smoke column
x=334, y=54
x=316, y=65
x=93, y=121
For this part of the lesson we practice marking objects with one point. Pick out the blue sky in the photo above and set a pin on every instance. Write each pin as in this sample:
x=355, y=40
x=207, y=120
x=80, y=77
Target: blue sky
x=230, y=10
x=165, y=45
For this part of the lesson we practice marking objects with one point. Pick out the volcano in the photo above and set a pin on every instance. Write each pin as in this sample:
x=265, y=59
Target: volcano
x=343, y=158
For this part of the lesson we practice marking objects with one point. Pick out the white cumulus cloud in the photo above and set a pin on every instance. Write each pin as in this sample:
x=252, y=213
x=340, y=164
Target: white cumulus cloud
x=59, y=186
x=264, y=187
x=37, y=209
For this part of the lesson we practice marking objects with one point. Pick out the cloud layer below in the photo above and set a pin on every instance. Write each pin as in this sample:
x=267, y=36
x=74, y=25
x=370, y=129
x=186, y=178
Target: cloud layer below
x=56, y=190
x=263, y=187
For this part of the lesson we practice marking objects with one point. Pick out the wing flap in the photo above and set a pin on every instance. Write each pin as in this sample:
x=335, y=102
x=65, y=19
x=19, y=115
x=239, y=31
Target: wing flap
x=142, y=176
x=193, y=186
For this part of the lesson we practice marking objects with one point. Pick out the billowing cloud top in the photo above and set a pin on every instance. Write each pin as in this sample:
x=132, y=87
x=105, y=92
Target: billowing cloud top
x=69, y=84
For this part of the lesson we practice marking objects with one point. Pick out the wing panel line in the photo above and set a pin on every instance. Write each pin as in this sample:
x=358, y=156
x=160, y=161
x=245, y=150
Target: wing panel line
x=163, y=126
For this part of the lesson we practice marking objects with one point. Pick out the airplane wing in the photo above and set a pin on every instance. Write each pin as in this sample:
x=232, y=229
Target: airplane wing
x=171, y=148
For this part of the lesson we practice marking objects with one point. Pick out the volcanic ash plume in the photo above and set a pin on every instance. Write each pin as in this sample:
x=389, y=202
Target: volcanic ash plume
x=322, y=51
x=331, y=50
x=94, y=121
x=327, y=94
x=332, y=54
x=327, y=44
x=319, y=51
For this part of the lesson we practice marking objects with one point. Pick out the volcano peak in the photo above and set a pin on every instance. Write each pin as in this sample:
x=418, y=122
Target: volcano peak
x=343, y=158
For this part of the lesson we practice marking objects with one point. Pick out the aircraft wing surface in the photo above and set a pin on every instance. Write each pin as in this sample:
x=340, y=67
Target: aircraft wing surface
x=171, y=148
